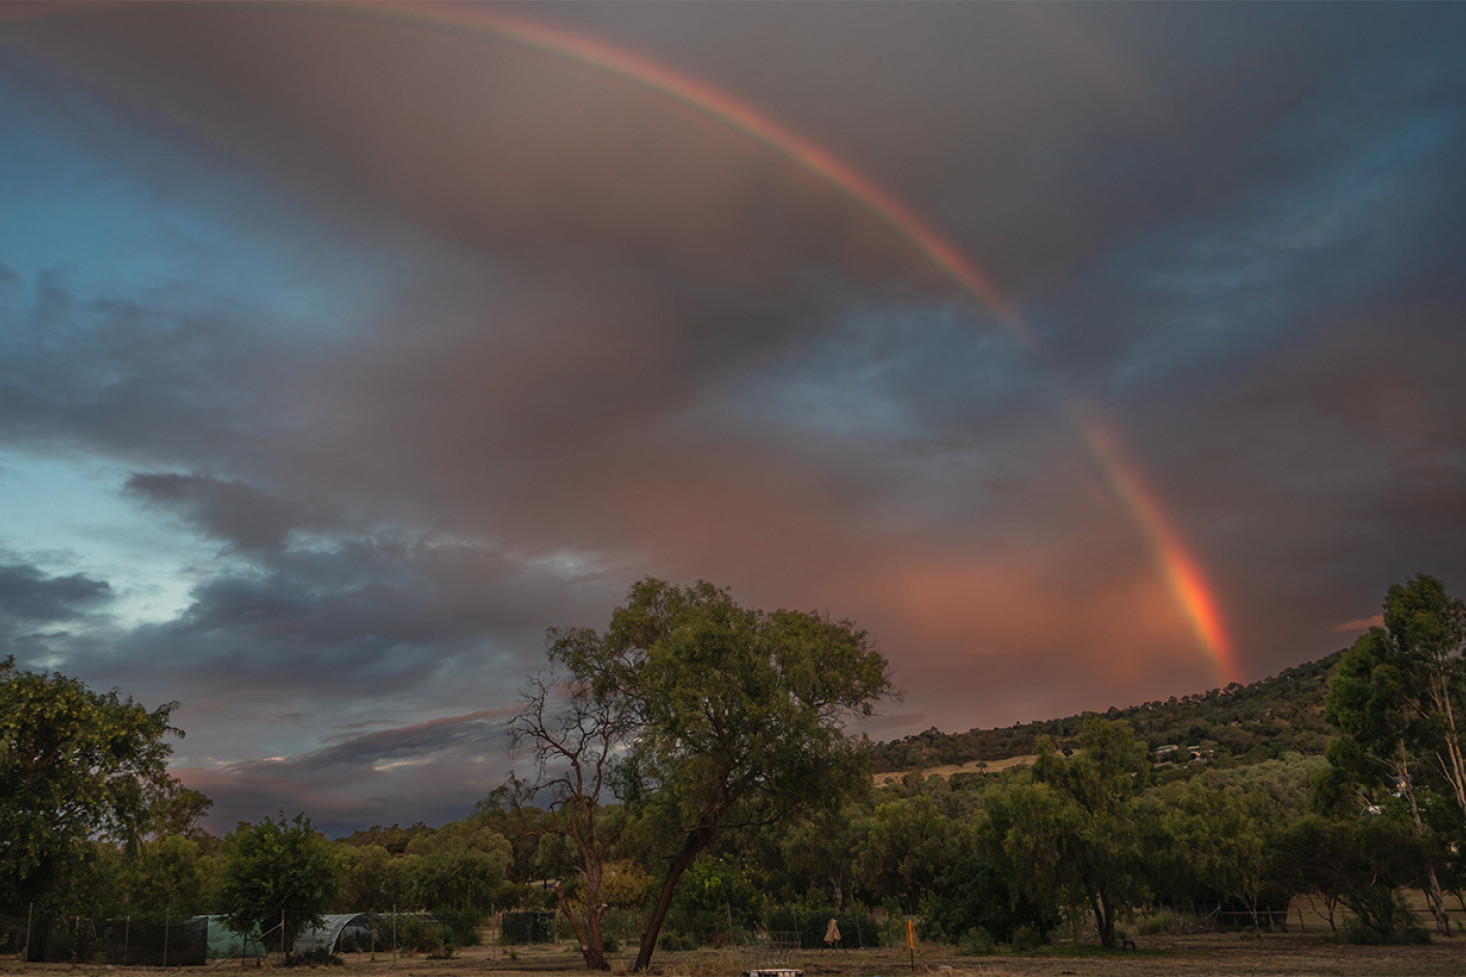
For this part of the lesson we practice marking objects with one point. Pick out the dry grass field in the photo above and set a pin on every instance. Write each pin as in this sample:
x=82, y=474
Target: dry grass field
x=1202, y=955
x=972, y=766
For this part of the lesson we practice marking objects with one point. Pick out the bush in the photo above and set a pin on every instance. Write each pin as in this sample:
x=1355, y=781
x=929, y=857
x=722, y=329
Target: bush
x=976, y=942
x=464, y=925
x=972, y=893
x=1361, y=934
x=418, y=935
x=319, y=957
x=1026, y=939
x=1167, y=921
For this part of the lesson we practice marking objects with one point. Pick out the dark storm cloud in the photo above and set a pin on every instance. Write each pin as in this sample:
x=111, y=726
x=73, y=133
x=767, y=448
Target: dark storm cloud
x=342, y=632
x=593, y=173
x=227, y=510
x=336, y=622
x=433, y=771
x=163, y=377
x=29, y=595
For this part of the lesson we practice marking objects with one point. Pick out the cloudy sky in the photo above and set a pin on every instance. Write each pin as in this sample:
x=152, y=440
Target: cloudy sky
x=1084, y=355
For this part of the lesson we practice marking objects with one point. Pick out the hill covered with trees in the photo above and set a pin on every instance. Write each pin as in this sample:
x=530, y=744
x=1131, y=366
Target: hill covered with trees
x=1264, y=720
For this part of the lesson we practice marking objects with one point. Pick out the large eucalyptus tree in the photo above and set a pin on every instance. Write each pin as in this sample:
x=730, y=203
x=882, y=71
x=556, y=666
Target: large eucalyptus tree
x=704, y=716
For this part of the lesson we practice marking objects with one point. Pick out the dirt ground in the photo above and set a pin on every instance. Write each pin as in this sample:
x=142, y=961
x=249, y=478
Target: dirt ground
x=1202, y=955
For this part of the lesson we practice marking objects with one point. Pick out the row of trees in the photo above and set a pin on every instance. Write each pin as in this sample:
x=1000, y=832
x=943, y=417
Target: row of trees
x=695, y=775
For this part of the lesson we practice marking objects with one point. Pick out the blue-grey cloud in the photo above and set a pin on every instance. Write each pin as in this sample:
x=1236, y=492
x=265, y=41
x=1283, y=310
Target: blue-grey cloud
x=433, y=771
x=29, y=595
x=226, y=510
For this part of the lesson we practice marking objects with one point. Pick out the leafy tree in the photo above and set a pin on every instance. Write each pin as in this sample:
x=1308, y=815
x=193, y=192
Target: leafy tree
x=180, y=813
x=1360, y=862
x=372, y=879
x=715, y=896
x=279, y=873
x=811, y=858
x=904, y=843
x=742, y=716
x=459, y=872
x=75, y=765
x=509, y=810
x=1069, y=835
x=172, y=872
x=1428, y=629
x=1217, y=834
x=729, y=717
x=1214, y=842
x=1392, y=701
x=972, y=893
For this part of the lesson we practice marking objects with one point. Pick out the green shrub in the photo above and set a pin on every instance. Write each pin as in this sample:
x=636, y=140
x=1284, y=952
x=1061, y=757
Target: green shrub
x=1026, y=939
x=973, y=893
x=418, y=935
x=1164, y=921
x=318, y=957
x=1361, y=934
x=463, y=925
x=976, y=942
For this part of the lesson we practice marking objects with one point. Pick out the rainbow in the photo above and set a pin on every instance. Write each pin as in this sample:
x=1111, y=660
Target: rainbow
x=1182, y=571
x=707, y=100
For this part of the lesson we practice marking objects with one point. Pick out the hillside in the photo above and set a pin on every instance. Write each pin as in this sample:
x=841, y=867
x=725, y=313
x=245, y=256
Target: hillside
x=1253, y=722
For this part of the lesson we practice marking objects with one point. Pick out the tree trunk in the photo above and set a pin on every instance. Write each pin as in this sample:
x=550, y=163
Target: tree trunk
x=1432, y=884
x=592, y=947
x=1104, y=919
x=1453, y=767
x=695, y=843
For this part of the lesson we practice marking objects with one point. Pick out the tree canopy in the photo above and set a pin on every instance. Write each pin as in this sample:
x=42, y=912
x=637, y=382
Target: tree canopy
x=279, y=873
x=728, y=716
x=75, y=765
x=1394, y=700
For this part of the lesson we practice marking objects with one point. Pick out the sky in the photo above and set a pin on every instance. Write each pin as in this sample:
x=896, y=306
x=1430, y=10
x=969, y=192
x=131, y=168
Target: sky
x=1082, y=354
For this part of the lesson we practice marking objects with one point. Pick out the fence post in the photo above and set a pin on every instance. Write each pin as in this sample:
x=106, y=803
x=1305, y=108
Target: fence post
x=167, y=915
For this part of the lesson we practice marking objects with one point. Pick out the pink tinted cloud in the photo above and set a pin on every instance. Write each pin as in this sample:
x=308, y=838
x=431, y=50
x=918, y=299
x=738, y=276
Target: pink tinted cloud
x=1362, y=624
